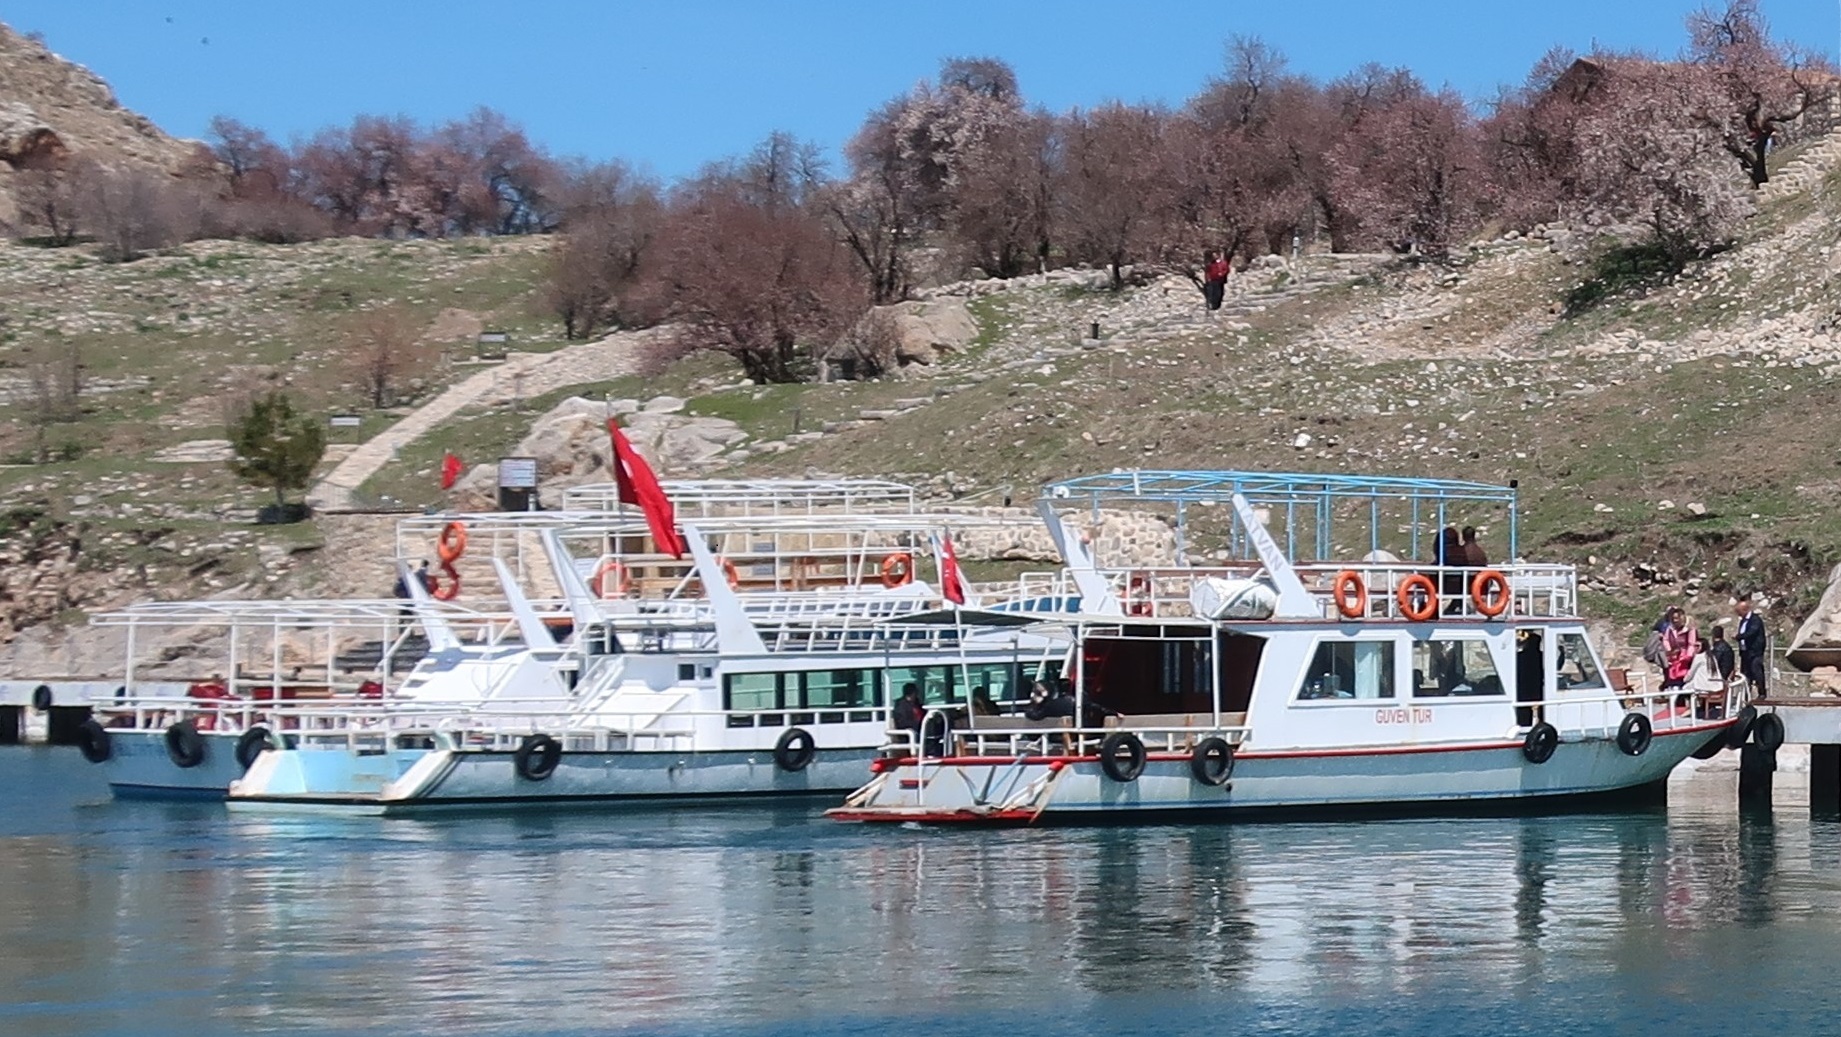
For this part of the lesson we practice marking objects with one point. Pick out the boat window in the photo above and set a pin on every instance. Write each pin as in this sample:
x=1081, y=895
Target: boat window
x=1455, y=667
x=936, y=683
x=751, y=691
x=1574, y=663
x=999, y=680
x=838, y=688
x=1350, y=670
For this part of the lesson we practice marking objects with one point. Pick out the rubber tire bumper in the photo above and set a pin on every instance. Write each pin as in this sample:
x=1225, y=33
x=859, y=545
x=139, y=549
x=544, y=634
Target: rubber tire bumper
x=1543, y=738
x=795, y=750
x=1768, y=732
x=536, y=757
x=94, y=742
x=251, y=745
x=1211, y=762
x=1634, y=734
x=184, y=745
x=1122, y=756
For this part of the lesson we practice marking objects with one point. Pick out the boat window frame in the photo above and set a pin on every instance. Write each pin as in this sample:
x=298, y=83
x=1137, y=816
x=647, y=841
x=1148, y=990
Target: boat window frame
x=1395, y=660
x=1462, y=637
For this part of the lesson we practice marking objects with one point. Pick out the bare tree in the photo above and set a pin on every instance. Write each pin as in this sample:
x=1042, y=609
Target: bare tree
x=54, y=384
x=131, y=210
x=1761, y=84
x=749, y=266
x=610, y=216
x=1112, y=184
x=384, y=346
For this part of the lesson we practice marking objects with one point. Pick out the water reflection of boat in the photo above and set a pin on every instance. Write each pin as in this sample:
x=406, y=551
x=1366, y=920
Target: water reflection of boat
x=1273, y=684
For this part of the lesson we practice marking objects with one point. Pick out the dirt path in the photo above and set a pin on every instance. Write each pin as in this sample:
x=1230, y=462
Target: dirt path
x=525, y=374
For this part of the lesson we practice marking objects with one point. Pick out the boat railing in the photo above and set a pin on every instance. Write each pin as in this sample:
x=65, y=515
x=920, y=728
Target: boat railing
x=1018, y=736
x=1374, y=591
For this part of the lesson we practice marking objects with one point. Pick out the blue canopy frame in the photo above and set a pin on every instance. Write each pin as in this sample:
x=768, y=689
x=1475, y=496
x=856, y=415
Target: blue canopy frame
x=1307, y=499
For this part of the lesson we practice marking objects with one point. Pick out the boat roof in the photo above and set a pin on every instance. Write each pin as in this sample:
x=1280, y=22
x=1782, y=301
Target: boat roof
x=1267, y=487
x=1300, y=508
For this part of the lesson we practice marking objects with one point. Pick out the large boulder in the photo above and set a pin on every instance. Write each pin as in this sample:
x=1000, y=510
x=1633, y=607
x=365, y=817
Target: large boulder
x=928, y=328
x=572, y=448
x=26, y=139
x=1818, y=640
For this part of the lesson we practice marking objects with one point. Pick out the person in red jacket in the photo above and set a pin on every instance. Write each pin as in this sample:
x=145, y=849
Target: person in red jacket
x=1214, y=279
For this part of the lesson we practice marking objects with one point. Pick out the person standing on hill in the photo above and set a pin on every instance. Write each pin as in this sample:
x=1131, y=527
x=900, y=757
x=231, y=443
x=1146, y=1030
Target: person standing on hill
x=1750, y=636
x=1214, y=279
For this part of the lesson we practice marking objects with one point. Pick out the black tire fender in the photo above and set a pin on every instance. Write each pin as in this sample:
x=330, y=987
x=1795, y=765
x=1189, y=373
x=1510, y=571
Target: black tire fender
x=1713, y=747
x=251, y=745
x=184, y=745
x=1543, y=738
x=1211, y=762
x=42, y=699
x=1768, y=732
x=1741, y=728
x=536, y=757
x=94, y=742
x=795, y=750
x=1634, y=734
x=1121, y=756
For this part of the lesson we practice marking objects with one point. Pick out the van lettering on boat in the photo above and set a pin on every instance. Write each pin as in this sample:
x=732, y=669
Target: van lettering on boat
x=1403, y=715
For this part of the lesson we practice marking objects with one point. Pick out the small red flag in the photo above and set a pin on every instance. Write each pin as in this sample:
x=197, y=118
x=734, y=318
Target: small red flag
x=450, y=470
x=637, y=485
x=952, y=585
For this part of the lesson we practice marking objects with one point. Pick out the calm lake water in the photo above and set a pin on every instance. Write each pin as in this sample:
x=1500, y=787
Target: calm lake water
x=145, y=918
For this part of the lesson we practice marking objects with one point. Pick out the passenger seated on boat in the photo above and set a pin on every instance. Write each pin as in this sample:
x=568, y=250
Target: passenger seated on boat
x=1045, y=702
x=908, y=713
x=981, y=702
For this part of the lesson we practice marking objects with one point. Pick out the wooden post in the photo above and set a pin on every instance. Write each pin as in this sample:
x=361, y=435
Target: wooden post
x=1755, y=768
x=1825, y=780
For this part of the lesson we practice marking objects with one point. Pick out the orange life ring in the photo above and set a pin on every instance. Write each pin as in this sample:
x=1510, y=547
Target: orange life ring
x=1427, y=606
x=453, y=542
x=1480, y=589
x=897, y=569
x=734, y=576
x=1351, y=594
x=450, y=590
x=623, y=583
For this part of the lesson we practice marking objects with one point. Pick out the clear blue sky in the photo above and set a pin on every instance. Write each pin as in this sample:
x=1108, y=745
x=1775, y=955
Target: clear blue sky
x=673, y=84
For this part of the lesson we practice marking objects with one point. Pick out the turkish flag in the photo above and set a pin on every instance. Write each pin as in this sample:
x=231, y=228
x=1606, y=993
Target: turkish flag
x=450, y=470
x=637, y=485
x=952, y=585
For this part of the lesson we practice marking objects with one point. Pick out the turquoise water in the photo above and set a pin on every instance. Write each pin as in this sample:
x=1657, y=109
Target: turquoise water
x=145, y=918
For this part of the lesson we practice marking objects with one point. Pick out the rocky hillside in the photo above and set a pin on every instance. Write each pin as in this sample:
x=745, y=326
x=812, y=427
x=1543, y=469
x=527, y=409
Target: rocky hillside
x=52, y=108
x=1672, y=437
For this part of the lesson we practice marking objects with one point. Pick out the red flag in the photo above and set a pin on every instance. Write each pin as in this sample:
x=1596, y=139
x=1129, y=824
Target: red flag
x=952, y=587
x=450, y=471
x=637, y=485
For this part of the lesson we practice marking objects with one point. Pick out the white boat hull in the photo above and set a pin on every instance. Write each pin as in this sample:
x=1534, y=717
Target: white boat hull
x=446, y=778
x=998, y=789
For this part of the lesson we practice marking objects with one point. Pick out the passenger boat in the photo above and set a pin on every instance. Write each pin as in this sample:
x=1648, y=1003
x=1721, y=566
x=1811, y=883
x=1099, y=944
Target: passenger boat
x=346, y=672
x=1264, y=684
x=733, y=694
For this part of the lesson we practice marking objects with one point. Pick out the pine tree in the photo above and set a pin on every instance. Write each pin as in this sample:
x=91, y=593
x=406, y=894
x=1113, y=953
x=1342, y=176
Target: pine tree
x=275, y=447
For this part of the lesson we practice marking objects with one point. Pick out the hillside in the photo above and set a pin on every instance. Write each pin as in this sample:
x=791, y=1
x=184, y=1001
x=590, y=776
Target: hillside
x=51, y=107
x=1673, y=440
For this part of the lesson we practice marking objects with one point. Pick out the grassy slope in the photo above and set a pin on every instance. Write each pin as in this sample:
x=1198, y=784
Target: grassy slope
x=1490, y=387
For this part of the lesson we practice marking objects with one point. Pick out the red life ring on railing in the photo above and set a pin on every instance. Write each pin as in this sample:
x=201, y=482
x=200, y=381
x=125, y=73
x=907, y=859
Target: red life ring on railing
x=1421, y=608
x=1480, y=593
x=371, y=690
x=734, y=576
x=623, y=583
x=209, y=690
x=897, y=569
x=453, y=542
x=1351, y=594
x=450, y=590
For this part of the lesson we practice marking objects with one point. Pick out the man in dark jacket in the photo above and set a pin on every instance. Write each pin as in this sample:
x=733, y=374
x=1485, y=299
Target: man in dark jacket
x=1750, y=636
